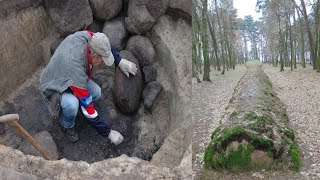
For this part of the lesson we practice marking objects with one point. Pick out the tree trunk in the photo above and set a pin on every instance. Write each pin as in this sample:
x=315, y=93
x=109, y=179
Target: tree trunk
x=214, y=42
x=206, y=64
x=312, y=49
x=303, y=60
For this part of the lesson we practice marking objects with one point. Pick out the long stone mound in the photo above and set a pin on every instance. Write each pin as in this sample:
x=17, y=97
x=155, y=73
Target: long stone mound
x=257, y=134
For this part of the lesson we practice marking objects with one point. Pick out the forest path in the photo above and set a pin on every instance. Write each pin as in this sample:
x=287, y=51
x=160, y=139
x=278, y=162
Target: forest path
x=298, y=90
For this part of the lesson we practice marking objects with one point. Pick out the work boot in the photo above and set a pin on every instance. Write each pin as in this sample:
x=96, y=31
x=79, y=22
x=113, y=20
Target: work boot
x=71, y=134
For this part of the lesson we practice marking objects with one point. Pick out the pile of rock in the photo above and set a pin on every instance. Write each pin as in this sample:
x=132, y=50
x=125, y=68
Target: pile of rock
x=126, y=23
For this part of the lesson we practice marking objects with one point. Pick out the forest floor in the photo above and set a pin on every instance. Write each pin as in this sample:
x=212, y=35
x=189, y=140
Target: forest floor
x=298, y=90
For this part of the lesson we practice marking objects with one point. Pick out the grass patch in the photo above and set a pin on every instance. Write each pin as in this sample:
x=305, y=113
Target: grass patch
x=288, y=132
x=234, y=114
x=261, y=119
x=208, y=157
x=260, y=141
x=239, y=160
x=235, y=160
x=295, y=158
x=225, y=136
x=218, y=129
x=270, y=154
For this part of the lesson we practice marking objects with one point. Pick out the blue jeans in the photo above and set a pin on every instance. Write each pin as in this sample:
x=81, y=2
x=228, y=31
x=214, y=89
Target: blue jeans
x=70, y=104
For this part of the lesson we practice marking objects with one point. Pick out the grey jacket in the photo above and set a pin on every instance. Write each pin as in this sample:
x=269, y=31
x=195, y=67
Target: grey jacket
x=67, y=66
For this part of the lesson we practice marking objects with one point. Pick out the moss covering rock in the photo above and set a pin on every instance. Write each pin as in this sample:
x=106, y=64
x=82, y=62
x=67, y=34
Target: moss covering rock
x=257, y=134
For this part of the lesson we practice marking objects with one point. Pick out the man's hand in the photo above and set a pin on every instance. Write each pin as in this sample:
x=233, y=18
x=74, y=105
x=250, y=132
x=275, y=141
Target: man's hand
x=115, y=137
x=128, y=67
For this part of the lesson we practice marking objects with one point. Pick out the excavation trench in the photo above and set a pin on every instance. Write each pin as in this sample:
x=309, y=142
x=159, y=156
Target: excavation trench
x=91, y=147
x=257, y=134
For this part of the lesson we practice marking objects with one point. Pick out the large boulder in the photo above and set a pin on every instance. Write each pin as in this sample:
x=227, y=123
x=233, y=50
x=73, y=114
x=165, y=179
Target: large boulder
x=180, y=8
x=150, y=95
x=142, y=48
x=69, y=16
x=105, y=9
x=127, y=91
x=116, y=32
x=142, y=14
x=172, y=149
x=172, y=40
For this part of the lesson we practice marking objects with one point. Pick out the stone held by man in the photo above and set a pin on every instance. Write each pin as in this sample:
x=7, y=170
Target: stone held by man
x=127, y=90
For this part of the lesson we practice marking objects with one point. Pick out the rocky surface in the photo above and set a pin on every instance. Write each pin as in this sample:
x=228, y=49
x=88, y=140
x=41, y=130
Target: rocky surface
x=142, y=15
x=45, y=140
x=149, y=74
x=7, y=174
x=172, y=41
x=127, y=90
x=180, y=8
x=105, y=10
x=172, y=150
x=122, y=167
x=16, y=6
x=95, y=26
x=142, y=48
x=150, y=94
x=116, y=32
x=69, y=16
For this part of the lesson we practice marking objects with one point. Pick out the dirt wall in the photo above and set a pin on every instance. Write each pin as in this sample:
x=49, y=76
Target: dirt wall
x=24, y=24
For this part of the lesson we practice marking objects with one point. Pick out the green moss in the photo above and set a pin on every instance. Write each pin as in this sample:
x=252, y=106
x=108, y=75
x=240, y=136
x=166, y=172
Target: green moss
x=253, y=126
x=295, y=158
x=219, y=162
x=249, y=116
x=270, y=134
x=270, y=154
x=218, y=129
x=234, y=114
x=238, y=160
x=261, y=119
x=260, y=141
x=288, y=132
x=226, y=135
x=235, y=160
x=208, y=157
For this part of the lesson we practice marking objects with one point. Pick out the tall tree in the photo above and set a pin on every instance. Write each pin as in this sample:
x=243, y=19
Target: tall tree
x=205, y=50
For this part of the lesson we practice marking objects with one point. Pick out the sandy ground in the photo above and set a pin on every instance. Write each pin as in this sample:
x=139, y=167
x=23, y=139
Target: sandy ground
x=298, y=90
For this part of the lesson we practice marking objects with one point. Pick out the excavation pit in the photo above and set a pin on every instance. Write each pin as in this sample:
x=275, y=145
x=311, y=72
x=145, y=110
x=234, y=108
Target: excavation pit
x=159, y=132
